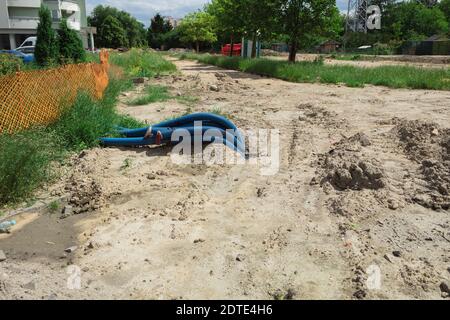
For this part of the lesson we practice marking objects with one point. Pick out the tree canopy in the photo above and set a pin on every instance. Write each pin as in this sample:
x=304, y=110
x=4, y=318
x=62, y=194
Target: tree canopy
x=126, y=29
x=198, y=27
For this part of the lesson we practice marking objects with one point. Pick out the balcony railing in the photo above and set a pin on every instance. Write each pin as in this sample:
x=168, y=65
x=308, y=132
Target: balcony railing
x=17, y=22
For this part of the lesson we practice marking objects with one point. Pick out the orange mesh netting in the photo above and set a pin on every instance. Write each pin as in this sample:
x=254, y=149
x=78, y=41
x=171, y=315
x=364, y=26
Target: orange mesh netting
x=38, y=97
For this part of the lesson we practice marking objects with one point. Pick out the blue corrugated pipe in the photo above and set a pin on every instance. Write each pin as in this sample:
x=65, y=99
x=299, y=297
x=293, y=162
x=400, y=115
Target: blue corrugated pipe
x=216, y=127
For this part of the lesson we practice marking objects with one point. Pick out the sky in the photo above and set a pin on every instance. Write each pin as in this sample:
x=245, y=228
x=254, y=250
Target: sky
x=144, y=10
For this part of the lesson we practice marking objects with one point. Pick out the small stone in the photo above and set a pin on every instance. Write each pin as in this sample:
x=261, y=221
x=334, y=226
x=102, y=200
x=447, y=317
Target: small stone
x=71, y=249
x=445, y=287
x=139, y=80
x=213, y=87
x=239, y=258
x=388, y=257
x=53, y=296
x=178, y=94
x=360, y=294
x=2, y=256
x=396, y=253
x=392, y=204
x=364, y=140
x=30, y=286
x=435, y=132
x=67, y=210
x=199, y=240
x=313, y=182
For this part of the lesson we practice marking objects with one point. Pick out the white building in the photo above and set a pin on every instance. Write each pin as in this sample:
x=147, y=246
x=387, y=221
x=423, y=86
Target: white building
x=19, y=19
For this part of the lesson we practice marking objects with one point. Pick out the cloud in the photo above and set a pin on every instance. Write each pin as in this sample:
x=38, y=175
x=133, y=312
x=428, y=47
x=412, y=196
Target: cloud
x=144, y=10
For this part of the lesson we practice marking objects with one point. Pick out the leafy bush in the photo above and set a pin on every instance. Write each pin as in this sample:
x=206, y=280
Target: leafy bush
x=10, y=64
x=70, y=45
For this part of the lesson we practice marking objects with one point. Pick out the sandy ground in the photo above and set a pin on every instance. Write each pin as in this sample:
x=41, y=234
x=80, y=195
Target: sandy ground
x=157, y=230
x=435, y=62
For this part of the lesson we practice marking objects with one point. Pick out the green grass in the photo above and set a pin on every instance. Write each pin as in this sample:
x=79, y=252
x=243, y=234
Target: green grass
x=152, y=94
x=140, y=63
x=28, y=158
x=188, y=100
x=317, y=72
x=53, y=206
x=25, y=160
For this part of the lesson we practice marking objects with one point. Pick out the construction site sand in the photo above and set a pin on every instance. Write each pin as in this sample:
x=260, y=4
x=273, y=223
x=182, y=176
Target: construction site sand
x=340, y=220
x=435, y=62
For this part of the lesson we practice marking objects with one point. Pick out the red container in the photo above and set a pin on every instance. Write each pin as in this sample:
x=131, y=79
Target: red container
x=236, y=49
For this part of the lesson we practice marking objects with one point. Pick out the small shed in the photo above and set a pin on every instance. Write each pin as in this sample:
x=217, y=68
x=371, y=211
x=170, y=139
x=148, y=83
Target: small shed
x=328, y=46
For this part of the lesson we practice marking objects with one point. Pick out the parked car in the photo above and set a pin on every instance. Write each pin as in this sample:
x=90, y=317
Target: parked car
x=28, y=45
x=26, y=57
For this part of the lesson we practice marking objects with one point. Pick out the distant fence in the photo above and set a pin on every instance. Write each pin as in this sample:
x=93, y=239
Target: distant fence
x=437, y=47
x=38, y=97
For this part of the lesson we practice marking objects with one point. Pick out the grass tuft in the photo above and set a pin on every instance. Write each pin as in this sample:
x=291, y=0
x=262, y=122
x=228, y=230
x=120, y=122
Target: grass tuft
x=152, y=94
x=25, y=159
x=140, y=63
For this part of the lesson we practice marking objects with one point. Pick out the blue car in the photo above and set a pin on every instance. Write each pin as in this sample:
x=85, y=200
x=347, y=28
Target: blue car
x=26, y=58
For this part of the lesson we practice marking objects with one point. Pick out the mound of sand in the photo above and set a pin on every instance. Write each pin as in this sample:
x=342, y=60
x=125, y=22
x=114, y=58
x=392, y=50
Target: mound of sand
x=345, y=166
x=429, y=145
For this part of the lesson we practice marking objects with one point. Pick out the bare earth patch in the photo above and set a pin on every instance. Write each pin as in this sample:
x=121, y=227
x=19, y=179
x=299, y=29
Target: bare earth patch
x=355, y=163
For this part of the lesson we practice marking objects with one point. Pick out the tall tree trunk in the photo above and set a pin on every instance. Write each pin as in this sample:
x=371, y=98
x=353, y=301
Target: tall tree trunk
x=254, y=46
x=232, y=44
x=293, y=51
x=197, y=45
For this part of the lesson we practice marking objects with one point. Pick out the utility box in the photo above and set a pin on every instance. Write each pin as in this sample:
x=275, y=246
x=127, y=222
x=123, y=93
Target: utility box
x=246, y=51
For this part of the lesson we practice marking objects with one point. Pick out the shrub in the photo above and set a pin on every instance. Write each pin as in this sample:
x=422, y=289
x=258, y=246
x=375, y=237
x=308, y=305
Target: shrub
x=10, y=64
x=46, y=51
x=70, y=45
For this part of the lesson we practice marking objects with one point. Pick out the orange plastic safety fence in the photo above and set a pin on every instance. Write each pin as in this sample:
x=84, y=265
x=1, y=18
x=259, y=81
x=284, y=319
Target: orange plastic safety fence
x=38, y=97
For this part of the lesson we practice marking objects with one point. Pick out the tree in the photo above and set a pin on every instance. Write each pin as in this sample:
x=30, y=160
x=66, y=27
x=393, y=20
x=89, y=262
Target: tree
x=158, y=27
x=412, y=20
x=258, y=20
x=198, y=27
x=134, y=31
x=444, y=6
x=46, y=51
x=70, y=44
x=112, y=33
x=227, y=19
x=300, y=18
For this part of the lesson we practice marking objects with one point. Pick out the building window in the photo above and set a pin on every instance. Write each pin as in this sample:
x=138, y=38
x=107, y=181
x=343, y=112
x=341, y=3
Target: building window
x=55, y=15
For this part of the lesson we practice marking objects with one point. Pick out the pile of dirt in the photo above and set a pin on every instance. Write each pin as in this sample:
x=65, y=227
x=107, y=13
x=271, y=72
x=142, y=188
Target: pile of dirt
x=429, y=145
x=85, y=193
x=345, y=166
